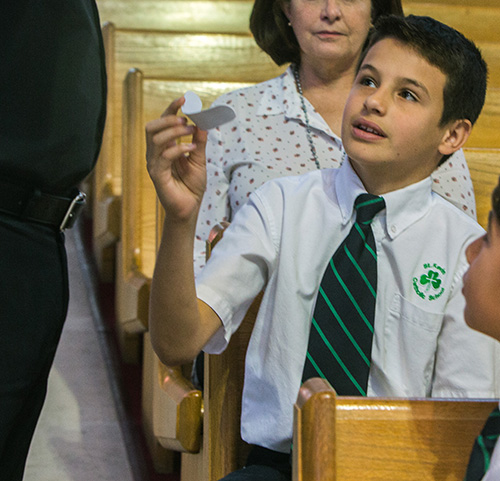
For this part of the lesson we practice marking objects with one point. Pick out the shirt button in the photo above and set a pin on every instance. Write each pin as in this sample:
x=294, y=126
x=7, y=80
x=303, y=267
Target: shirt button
x=394, y=229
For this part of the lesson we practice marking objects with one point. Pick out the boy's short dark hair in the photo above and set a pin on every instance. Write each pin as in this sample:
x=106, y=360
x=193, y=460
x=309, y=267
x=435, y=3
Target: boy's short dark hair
x=272, y=33
x=495, y=201
x=447, y=49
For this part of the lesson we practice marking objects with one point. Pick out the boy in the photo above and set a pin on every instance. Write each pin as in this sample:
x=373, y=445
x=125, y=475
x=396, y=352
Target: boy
x=482, y=312
x=407, y=111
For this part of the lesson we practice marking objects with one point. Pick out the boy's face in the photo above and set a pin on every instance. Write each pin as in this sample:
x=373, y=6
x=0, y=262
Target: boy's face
x=390, y=127
x=482, y=282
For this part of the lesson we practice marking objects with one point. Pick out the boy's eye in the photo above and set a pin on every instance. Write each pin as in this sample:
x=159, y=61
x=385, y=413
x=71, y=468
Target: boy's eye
x=409, y=95
x=367, y=81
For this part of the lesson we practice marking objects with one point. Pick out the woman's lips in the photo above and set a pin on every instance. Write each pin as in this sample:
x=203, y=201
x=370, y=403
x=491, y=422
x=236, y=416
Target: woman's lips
x=327, y=34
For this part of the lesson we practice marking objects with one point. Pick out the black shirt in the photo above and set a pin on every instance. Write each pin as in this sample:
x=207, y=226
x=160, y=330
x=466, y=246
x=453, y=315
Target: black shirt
x=52, y=92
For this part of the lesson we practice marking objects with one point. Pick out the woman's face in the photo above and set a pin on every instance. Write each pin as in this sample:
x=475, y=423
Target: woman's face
x=482, y=282
x=329, y=30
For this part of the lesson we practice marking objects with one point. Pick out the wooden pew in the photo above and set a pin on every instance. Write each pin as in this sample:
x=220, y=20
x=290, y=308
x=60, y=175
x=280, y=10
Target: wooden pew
x=224, y=16
x=145, y=99
x=476, y=19
x=178, y=413
x=485, y=131
x=157, y=53
x=484, y=166
x=340, y=438
x=485, y=169
x=491, y=54
x=472, y=3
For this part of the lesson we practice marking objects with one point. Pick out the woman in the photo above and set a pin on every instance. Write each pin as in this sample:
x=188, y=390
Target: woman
x=291, y=124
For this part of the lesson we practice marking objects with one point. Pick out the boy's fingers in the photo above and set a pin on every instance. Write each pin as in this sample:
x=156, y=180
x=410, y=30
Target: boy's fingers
x=164, y=137
x=177, y=151
x=200, y=136
x=200, y=141
x=157, y=125
x=174, y=106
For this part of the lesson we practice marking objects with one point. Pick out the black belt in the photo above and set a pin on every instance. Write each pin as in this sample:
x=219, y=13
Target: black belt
x=36, y=206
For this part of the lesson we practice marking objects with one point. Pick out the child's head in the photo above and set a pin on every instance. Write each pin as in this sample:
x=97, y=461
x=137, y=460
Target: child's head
x=482, y=280
x=419, y=88
x=447, y=49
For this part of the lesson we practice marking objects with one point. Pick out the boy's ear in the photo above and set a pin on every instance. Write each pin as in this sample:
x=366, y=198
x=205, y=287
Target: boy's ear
x=455, y=136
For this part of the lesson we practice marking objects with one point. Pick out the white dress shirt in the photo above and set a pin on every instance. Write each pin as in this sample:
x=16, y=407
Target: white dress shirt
x=267, y=140
x=283, y=238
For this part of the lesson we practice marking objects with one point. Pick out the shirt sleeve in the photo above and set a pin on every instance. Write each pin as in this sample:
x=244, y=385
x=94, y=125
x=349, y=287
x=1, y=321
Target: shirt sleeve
x=452, y=181
x=238, y=270
x=466, y=360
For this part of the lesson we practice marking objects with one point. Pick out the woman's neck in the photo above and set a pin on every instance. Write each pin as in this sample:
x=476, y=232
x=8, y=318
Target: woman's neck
x=327, y=90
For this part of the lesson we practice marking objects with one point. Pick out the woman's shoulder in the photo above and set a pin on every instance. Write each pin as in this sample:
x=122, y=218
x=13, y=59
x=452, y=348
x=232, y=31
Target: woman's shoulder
x=252, y=95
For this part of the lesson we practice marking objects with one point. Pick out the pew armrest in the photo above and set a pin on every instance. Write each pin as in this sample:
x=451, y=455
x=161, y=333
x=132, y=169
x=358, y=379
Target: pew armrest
x=179, y=417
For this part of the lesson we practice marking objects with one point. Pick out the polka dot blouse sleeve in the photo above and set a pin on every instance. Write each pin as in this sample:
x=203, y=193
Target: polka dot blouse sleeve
x=453, y=182
x=214, y=207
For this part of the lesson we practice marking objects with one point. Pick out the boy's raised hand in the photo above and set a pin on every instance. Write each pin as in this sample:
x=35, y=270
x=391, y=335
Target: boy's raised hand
x=177, y=170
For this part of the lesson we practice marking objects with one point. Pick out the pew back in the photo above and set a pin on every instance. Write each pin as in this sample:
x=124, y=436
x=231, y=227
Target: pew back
x=144, y=100
x=345, y=438
x=476, y=19
x=225, y=16
x=484, y=166
x=195, y=56
x=485, y=132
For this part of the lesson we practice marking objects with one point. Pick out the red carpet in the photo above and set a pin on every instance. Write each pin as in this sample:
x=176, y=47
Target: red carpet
x=127, y=378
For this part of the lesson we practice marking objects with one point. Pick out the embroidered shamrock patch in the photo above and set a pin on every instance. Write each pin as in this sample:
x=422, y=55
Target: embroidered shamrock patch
x=428, y=284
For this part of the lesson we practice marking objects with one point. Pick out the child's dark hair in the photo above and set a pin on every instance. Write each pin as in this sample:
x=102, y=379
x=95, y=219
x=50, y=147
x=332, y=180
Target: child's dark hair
x=445, y=48
x=495, y=201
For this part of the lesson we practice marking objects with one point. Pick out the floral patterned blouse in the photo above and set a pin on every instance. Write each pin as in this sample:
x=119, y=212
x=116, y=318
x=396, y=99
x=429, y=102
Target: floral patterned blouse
x=267, y=139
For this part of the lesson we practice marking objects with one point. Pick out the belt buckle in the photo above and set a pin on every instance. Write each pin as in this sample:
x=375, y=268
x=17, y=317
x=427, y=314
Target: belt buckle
x=73, y=209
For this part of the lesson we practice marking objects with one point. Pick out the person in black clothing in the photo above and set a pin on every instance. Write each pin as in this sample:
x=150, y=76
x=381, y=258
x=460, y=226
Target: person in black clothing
x=52, y=112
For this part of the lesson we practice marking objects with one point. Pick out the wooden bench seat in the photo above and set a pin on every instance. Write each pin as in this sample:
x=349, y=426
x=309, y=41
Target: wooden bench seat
x=340, y=438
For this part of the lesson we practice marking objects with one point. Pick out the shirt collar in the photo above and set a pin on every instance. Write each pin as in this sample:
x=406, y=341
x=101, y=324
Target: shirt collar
x=285, y=100
x=397, y=217
x=348, y=186
x=406, y=206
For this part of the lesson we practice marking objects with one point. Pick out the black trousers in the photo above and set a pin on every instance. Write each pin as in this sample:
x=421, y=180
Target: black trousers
x=263, y=465
x=33, y=307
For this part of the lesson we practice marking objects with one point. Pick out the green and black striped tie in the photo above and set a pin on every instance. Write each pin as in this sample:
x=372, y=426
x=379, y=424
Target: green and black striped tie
x=340, y=340
x=482, y=450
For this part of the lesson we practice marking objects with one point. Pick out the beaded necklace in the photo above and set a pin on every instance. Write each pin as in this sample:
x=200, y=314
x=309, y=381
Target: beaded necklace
x=296, y=76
